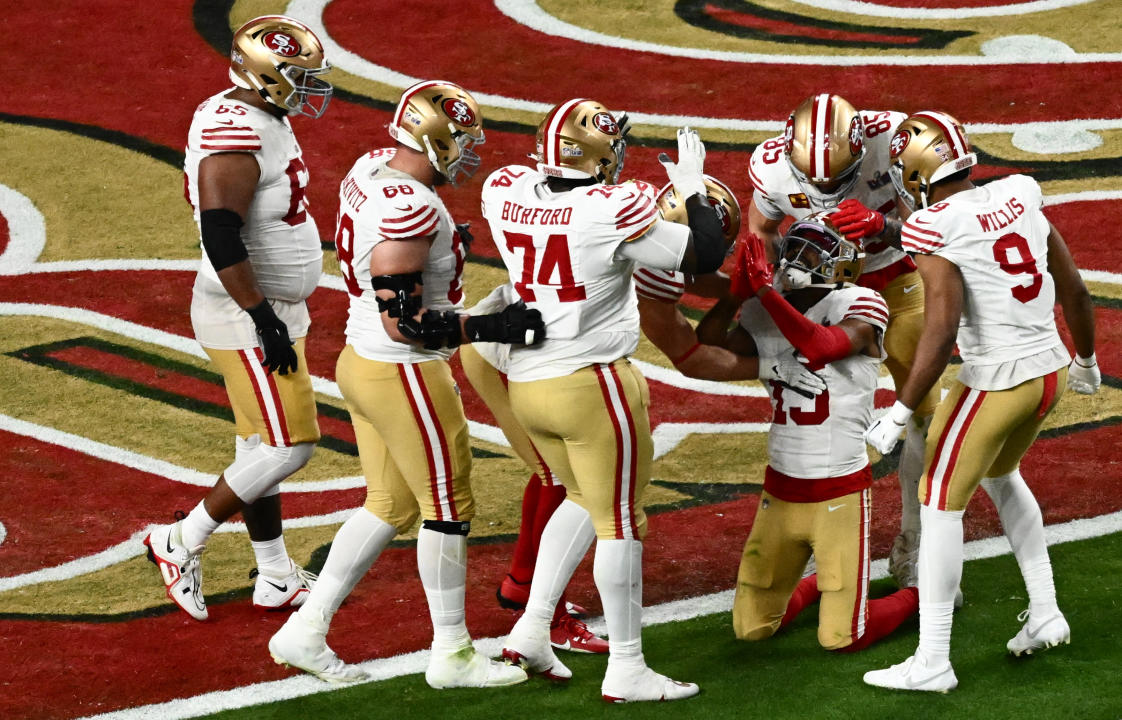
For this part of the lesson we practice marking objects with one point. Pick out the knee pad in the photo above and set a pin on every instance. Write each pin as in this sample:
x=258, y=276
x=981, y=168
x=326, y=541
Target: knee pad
x=259, y=470
x=447, y=527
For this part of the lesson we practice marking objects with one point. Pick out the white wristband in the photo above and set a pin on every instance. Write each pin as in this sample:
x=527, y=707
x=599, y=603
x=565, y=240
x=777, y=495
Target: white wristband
x=1086, y=362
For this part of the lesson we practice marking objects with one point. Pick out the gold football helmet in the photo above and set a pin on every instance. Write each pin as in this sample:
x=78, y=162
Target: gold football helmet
x=281, y=59
x=813, y=252
x=580, y=139
x=673, y=208
x=927, y=147
x=824, y=143
x=442, y=120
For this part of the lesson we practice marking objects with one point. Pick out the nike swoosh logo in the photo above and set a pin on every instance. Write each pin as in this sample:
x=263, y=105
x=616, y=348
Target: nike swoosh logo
x=170, y=551
x=224, y=122
x=831, y=508
x=920, y=221
x=910, y=288
x=282, y=588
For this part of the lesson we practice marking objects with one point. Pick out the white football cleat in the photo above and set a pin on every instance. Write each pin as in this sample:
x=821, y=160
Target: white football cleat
x=530, y=649
x=903, y=559
x=290, y=591
x=467, y=668
x=1051, y=631
x=915, y=674
x=644, y=685
x=180, y=568
x=297, y=644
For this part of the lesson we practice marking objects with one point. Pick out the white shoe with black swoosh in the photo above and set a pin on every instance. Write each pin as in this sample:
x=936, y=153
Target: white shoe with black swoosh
x=915, y=674
x=180, y=568
x=283, y=593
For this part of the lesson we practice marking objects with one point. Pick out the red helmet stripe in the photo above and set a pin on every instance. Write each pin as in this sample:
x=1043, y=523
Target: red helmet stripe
x=408, y=95
x=553, y=124
x=950, y=130
x=821, y=111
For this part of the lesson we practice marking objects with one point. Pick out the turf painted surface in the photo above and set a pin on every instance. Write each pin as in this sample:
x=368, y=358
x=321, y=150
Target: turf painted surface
x=789, y=676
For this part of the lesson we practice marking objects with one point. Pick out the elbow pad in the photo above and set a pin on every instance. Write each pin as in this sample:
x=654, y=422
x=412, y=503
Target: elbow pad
x=709, y=244
x=222, y=238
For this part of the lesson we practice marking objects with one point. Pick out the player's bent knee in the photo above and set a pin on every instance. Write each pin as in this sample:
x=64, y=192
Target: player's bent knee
x=261, y=469
x=753, y=630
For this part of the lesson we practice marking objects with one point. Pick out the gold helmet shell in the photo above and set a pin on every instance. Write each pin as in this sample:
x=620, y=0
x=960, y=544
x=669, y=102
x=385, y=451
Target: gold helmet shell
x=673, y=207
x=813, y=252
x=282, y=59
x=579, y=139
x=824, y=143
x=927, y=147
x=443, y=121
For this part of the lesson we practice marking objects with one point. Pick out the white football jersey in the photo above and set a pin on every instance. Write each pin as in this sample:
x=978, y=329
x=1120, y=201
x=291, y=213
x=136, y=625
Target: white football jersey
x=279, y=234
x=560, y=252
x=778, y=194
x=379, y=204
x=821, y=437
x=997, y=235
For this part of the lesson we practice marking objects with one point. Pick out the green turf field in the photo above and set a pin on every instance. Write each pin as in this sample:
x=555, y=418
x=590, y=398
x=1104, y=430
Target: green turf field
x=790, y=677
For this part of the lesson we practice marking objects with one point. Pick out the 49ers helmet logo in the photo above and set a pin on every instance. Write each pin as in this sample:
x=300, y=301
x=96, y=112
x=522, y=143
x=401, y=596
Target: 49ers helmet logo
x=898, y=143
x=856, y=135
x=789, y=134
x=722, y=214
x=460, y=112
x=605, y=123
x=281, y=44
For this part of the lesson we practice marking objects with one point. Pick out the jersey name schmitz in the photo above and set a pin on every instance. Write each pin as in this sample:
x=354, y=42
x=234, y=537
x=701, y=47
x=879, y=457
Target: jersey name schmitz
x=778, y=194
x=560, y=253
x=997, y=236
x=821, y=437
x=379, y=204
x=279, y=234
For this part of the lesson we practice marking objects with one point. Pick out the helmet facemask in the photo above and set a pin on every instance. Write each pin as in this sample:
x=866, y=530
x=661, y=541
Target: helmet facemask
x=466, y=161
x=821, y=199
x=310, y=94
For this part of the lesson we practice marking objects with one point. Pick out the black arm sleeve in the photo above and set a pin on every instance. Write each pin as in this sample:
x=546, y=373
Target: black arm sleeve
x=222, y=239
x=709, y=245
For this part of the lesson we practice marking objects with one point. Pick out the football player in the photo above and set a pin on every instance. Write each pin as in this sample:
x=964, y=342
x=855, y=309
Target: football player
x=402, y=260
x=571, y=237
x=833, y=157
x=245, y=180
x=658, y=292
x=816, y=496
x=994, y=267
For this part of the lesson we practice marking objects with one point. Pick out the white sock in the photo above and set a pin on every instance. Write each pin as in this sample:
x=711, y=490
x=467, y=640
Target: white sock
x=940, y=572
x=910, y=471
x=564, y=543
x=442, y=564
x=618, y=570
x=356, y=546
x=272, y=557
x=1024, y=528
x=197, y=527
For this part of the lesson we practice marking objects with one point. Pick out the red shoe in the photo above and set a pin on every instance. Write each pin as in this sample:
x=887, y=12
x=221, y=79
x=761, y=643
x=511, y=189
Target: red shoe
x=571, y=634
x=512, y=594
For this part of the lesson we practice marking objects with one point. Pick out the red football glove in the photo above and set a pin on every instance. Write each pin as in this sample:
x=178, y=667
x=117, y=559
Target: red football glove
x=856, y=221
x=751, y=270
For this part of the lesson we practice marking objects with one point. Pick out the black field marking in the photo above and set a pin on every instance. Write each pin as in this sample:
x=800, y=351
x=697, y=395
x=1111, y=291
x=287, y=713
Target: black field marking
x=694, y=12
x=114, y=137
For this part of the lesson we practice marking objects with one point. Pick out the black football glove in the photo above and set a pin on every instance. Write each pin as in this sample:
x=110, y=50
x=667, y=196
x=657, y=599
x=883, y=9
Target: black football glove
x=280, y=357
x=516, y=324
x=466, y=238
